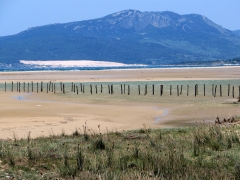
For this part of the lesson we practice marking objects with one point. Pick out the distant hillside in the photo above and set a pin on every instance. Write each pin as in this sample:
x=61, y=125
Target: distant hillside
x=237, y=32
x=128, y=36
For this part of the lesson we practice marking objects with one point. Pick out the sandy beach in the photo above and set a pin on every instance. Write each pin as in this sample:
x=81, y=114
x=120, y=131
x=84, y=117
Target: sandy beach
x=45, y=114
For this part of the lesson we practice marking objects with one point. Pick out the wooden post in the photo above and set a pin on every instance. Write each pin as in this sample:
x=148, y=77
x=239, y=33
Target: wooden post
x=101, y=88
x=153, y=89
x=19, y=87
x=139, y=89
x=24, y=86
x=215, y=92
x=181, y=90
x=54, y=89
x=83, y=88
x=47, y=87
x=63, y=88
x=195, y=91
x=212, y=89
x=220, y=90
x=91, y=88
x=187, y=89
x=32, y=86
x=41, y=86
x=121, y=89
x=74, y=88
x=233, y=91
x=5, y=86
x=177, y=90
x=170, y=89
x=145, y=90
x=77, y=89
x=128, y=90
x=12, y=86
x=50, y=83
x=204, y=92
x=124, y=89
x=161, y=93
x=96, y=88
x=37, y=87
x=108, y=89
x=112, y=91
x=228, y=89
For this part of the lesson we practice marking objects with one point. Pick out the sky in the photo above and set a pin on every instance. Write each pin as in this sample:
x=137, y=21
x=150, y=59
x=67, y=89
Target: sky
x=19, y=15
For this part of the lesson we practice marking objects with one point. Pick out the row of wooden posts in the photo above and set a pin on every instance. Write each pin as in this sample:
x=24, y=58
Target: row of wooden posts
x=51, y=87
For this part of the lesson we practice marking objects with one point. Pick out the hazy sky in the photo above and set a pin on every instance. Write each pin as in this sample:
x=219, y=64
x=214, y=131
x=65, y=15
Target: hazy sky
x=18, y=15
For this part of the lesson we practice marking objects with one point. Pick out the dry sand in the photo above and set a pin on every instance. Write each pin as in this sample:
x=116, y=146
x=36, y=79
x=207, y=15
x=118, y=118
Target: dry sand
x=44, y=114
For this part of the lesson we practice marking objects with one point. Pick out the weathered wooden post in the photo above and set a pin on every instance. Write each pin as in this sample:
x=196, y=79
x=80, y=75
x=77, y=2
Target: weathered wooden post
x=12, y=86
x=161, y=87
x=228, y=89
x=212, y=89
x=83, y=88
x=50, y=83
x=5, y=86
x=96, y=88
x=187, y=89
x=108, y=89
x=128, y=90
x=77, y=89
x=112, y=91
x=101, y=88
x=153, y=89
x=145, y=90
x=47, y=87
x=177, y=90
x=54, y=88
x=233, y=91
x=215, y=91
x=170, y=89
x=139, y=89
x=181, y=90
x=63, y=88
x=121, y=89
x=41, y=86
x=124, y=89
x=37, y=87
x=32, y=86
x=220, y=90
x=195, y=91
x=91, y=88
x=204, y=92
x=74, y=88
x=17, y=86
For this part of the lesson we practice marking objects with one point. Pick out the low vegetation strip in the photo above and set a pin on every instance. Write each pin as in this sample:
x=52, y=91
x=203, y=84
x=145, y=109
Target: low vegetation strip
x=205, y=151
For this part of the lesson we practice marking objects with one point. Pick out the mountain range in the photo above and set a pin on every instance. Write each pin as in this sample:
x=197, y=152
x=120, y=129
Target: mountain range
x=128, y=36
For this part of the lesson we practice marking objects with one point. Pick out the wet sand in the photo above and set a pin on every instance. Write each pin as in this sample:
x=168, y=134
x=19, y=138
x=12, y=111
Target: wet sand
x=44, y=114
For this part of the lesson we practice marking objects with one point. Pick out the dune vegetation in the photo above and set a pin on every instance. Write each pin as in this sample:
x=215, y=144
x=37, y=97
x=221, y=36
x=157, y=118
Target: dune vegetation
x=205, y=151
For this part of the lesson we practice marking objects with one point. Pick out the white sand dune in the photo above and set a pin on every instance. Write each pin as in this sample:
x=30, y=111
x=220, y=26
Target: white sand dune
x=76, y=63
